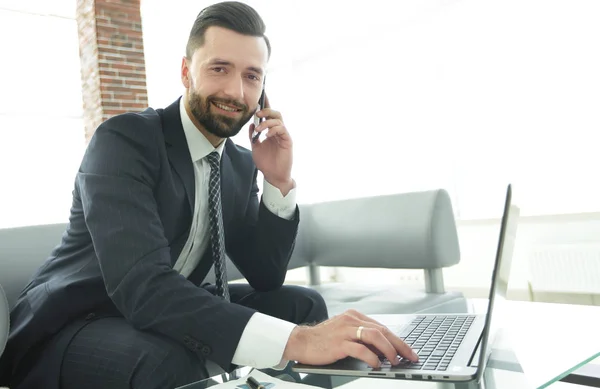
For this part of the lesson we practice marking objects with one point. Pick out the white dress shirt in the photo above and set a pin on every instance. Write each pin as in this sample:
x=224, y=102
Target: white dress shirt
x=265, y=333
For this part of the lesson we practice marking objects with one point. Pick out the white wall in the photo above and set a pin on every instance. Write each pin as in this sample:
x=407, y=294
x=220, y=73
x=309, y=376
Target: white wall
x=467, y=95
x=392, y=96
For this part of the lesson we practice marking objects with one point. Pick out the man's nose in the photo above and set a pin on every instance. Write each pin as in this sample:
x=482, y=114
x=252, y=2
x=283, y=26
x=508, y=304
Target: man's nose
x=234, y=88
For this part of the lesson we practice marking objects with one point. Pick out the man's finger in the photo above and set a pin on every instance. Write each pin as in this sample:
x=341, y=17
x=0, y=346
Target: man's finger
x=280, y=135
x=254, y=136
x=403, y=349
x=268, y=124
x=278, y=131
x=374, y=337
x=360, y=351
x=399, y=345
x=364, y=317
x=269, y=114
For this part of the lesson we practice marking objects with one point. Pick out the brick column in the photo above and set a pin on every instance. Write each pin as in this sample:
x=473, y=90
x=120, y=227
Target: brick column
x=111, y=49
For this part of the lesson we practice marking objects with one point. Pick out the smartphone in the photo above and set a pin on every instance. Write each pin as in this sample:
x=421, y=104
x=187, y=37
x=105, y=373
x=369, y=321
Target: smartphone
x=257, y=120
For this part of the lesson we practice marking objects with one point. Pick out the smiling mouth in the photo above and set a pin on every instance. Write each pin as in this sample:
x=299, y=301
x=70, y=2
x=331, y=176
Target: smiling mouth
x=225, y=107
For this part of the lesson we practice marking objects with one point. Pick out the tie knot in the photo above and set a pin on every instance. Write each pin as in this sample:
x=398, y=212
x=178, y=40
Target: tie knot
x=213, y=159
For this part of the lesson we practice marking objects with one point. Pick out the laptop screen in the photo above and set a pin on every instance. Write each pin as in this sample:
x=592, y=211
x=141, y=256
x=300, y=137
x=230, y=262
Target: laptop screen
x=500, y=276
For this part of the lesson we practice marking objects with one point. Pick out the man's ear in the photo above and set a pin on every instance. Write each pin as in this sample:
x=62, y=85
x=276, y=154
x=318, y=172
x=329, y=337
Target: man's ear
x=185, y=72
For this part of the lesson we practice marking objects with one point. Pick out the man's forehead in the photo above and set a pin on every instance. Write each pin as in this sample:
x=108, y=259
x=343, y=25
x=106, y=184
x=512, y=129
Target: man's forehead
x=222, y=42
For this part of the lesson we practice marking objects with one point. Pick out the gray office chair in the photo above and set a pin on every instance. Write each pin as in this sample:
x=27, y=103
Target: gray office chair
x=4, y=320
x=22, y=251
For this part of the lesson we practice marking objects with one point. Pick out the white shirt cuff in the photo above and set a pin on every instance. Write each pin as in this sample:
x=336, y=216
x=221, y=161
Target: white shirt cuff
x=263, y=342
x=284, y=207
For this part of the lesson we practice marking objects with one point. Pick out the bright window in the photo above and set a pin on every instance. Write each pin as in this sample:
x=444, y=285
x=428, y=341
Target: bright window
x=41, y=130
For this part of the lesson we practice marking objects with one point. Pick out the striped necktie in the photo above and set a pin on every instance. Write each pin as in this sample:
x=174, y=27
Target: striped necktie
x=215, y=216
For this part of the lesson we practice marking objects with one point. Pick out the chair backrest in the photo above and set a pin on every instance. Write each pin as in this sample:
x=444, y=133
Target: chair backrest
x=22, y=251
x=4, y=320
x=414, y=230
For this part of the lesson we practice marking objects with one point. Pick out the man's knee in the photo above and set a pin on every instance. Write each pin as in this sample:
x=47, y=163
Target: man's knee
x=110, y=353
x=166, y=366
x=310, y=305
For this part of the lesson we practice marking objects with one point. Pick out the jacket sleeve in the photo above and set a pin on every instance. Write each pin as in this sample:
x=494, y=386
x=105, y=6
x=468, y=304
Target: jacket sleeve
x=116, y=181
x=263, y=244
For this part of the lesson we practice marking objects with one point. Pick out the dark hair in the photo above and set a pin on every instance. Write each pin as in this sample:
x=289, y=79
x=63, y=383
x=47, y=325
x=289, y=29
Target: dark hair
x=233, y=15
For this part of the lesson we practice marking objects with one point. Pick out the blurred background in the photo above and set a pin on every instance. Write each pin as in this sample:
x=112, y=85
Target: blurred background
x=380, y=97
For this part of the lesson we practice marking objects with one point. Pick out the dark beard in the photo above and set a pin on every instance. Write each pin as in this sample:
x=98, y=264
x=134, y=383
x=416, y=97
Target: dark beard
x=218, y=125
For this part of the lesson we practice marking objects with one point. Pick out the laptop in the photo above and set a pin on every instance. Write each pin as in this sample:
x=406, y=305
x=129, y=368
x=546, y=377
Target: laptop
x=451, y=347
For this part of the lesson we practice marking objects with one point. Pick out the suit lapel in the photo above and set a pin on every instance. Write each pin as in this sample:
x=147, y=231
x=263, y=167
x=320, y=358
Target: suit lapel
x=228, y=184
x=181, y=160
x=178, y=151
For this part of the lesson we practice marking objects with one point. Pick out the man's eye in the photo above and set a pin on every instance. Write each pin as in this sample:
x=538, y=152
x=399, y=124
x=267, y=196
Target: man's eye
x=253, y=77
x=218, y=69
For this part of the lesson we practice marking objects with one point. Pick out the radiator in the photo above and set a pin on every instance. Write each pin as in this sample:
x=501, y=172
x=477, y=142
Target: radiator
x=568, y=268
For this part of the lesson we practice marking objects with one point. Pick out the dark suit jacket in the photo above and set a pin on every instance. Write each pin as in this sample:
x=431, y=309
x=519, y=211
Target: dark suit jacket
x=131, y=215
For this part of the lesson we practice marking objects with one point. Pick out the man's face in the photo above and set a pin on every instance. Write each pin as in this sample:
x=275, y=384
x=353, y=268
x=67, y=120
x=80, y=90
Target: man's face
x=224, y=80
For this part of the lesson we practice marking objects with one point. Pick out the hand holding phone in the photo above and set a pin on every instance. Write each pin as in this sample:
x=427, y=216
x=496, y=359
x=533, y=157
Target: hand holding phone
x=272, y=155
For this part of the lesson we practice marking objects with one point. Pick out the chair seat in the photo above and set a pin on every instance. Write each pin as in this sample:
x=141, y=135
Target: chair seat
x=383, y=299
x=4, y=320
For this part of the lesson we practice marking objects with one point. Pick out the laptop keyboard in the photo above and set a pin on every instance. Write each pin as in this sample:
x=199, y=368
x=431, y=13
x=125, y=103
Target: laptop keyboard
x=435, y=339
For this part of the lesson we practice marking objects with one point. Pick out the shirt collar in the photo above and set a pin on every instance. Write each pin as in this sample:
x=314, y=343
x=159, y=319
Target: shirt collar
x=199, y=146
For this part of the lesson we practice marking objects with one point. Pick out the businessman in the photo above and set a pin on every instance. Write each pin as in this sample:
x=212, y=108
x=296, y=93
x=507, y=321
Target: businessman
x=160, y=197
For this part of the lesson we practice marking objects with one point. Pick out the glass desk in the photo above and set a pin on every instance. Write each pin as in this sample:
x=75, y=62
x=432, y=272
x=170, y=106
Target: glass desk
x=541, y=345
x=502, y=371
x=587, y=375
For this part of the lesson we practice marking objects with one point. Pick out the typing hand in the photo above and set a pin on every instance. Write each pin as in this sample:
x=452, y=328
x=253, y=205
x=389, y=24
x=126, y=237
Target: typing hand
x=340, y=337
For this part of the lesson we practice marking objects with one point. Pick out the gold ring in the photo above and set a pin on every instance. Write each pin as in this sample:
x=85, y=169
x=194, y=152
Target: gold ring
x=359, y=333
